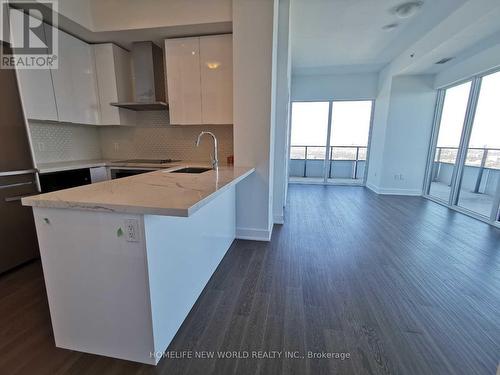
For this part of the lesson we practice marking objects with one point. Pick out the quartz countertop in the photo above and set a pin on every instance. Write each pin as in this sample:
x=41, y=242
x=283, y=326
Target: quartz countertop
x=69, y=165
x=157, y=193
x=81, y=164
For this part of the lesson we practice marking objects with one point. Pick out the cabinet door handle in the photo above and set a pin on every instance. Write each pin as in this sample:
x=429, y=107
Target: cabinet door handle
x=18, y=173
x=16, y=185
x=19, y=197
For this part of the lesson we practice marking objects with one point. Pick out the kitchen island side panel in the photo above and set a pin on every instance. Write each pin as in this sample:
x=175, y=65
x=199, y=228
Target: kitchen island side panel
x=182, y=255
x=97, y=284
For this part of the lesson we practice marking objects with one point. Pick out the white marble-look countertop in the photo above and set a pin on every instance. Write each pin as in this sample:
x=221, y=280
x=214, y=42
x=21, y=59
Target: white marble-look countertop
x=81, y=164
x=156, y=193
x=69, y=165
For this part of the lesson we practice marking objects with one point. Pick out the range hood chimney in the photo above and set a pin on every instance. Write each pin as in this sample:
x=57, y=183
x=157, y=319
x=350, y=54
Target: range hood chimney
x=148, y=76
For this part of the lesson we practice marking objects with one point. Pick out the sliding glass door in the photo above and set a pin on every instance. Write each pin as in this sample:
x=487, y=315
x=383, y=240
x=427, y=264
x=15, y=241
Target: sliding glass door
x=329, y=141
x=481, y=175
x=308, y=143
x=451, y=126
x=464, y=165
x=350, y=129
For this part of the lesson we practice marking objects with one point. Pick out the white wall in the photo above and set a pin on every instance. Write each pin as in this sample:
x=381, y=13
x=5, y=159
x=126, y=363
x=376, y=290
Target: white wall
x=110, y=15
x=404, y=106
x=401, y=167
x=339, y=87
x=379, y=126
x=252, y=97
x=78, y=11
x=283, y=83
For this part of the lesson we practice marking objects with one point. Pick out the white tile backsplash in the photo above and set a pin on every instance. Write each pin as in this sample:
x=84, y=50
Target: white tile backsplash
x=153, y=138
x=175, y=142
x=64, y=142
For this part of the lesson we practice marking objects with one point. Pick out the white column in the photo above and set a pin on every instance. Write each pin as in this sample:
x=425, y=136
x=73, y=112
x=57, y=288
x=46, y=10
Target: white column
x=282, y=113
x=253, y=30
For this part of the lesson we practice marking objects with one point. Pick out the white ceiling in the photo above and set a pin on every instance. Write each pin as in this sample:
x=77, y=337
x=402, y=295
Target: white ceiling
x=125, y=37
x=346, y=36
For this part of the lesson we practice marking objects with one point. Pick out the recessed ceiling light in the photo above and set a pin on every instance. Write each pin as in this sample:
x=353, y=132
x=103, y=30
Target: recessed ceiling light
x=408, y=9
x=390, y=26
x=444, y=61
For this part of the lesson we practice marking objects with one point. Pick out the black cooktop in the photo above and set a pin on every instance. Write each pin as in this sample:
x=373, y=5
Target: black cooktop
x=149, y=161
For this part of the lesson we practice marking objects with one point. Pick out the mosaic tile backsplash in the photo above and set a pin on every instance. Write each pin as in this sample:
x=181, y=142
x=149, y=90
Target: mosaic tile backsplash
x=64, y=142
x=153, y=138
x=174, y=142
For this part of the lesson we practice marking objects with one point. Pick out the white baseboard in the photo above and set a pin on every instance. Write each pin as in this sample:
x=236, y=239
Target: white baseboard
x=279, y=219
x=254, y=234
x=372, y=188
x=394, y=191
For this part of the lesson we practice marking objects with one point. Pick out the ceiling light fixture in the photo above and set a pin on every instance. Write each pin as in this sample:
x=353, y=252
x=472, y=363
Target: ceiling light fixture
x=213, y=64
x=408, y=9
x=390, y=26
x=444, y=61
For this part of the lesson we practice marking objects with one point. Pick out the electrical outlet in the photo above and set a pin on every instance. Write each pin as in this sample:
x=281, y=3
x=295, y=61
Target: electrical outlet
x=132, y=230
x=116, y=146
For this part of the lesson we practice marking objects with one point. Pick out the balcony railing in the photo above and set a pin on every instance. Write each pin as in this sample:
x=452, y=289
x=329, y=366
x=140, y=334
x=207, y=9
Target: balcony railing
x=353, y=154
x=476, y=157
x=482, y=167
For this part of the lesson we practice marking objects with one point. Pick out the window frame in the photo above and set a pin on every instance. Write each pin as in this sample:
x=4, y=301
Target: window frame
x=324, y=179
x=463, y=147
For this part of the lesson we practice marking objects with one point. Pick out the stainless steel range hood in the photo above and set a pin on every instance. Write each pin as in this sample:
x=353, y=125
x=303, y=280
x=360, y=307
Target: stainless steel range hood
x=148, y=76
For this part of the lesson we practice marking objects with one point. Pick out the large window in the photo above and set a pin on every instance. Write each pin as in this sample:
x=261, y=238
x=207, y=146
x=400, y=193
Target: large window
x=480, y=177
x=464, y=170
x=329, y=141
x=308, y=139
x=450, y=133
x=349, y=140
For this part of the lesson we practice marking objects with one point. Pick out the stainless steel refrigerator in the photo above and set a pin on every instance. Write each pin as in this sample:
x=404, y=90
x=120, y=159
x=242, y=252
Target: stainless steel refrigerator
x=18, y=178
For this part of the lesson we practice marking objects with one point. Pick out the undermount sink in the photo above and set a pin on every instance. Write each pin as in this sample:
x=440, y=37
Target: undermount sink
x=192, y=170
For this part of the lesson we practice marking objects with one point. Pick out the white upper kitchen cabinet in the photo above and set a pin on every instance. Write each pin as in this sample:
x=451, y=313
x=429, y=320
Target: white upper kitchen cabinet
x=216, y=62
x=114, y=82
x=200, y=80
x=75, y=84
x=184, y=80
x=35, y=86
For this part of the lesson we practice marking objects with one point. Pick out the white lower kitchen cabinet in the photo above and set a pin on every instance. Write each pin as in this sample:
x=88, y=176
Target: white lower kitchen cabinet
x=120, y=285
x=99, y=174
x=74, y=81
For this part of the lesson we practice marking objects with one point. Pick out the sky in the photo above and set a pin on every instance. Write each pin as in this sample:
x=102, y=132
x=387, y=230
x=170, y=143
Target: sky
x=350, y=123
x=486, y=128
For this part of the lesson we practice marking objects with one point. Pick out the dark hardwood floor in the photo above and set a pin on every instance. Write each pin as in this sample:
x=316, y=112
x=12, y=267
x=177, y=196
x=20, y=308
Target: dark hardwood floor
x=402, y=284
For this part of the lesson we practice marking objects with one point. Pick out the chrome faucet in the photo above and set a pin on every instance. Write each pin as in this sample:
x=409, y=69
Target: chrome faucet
x=215, y=159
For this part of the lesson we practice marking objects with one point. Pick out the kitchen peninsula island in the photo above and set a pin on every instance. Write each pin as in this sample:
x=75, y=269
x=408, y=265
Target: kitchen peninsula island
x=125, y=260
